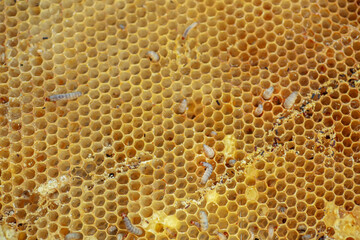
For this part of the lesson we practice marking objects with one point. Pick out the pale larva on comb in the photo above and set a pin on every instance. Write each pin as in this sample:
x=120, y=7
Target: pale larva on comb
x=188, y=29
x=196, y=224
x=171, y=233
x=130, y=227
x=121, y=236
x=65, y=96
x=231, y=162
x=220, y=235
x=183, y=106
x=306, y=237
x=73, y=236
x=213, y=133
x=207, y=173
x=290, y=100
x=259, y=110
x=208, y=151
x=204, y=223
x=268, y=92
x=271, y=232
x=252, y=235
x=153, y=56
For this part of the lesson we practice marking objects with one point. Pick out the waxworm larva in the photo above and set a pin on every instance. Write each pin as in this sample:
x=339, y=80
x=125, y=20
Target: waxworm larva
x=208, y=151
x=268, y=92
x=204, y=223
x=259, y=110
x=65, y=96
x=130, y=227
x=183, y=106
x=213, y=133
x=196, y=224
x=290, y=100
x=271, y=232
x=252, y=235
x=73, y=236
x=207, y=173
x=306, y=237
x=170, y=232
x=121, y=236
x=232, y=162
x=153, y=56
x=220, y=235
x=188, y=29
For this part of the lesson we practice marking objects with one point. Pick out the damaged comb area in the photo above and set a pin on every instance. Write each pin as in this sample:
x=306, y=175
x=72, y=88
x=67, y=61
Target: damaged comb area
x=133, y=143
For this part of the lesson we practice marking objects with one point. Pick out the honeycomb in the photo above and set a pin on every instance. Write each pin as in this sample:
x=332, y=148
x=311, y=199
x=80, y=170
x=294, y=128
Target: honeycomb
x=128, y=145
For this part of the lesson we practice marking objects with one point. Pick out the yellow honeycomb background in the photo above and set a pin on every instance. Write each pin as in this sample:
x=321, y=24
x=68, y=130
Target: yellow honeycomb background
x=75, y=166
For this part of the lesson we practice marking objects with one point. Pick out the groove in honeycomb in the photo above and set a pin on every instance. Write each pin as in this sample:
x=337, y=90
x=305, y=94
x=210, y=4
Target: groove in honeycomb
x=122, y=147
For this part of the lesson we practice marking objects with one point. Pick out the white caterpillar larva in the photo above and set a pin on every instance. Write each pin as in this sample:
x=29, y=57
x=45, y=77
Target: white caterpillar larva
x=208, y=151
x=207, y=173
x=232, y=162
x=183, y=106
x=121, y=236
x=65, y=96
x=271, y=232
x=112, y=230
x=196, y=224
x=73, y=236
x=268, y=92
x=171, y=233
x=220, y=235
x=130, y=227
x=154, y=57
x=290, y=100
x=213, y=133
x=204, y=222
x=252, y=235
x=259, y=110
x=306, y=237
x=187, y=30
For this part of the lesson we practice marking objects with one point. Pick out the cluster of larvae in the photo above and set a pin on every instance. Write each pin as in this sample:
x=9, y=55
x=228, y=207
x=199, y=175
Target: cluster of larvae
x=288, y=103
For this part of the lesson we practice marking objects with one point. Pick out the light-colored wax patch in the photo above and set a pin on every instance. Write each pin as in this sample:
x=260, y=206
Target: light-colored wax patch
x=251, y=194
x=51, y=185
x=159, y=220
x=229, y=143
x=346, y=224
x=7, y=233
x=211, y=196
